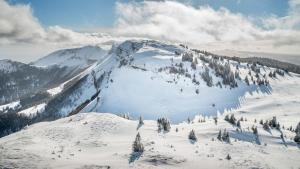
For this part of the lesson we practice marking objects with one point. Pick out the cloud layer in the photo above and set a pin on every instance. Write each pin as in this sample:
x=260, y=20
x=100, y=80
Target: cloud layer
x=204, y=26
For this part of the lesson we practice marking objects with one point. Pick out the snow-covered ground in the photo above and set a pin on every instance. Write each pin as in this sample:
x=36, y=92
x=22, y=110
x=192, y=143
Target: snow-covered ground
x=95, y=140
x=12, y=105
x=31, y=111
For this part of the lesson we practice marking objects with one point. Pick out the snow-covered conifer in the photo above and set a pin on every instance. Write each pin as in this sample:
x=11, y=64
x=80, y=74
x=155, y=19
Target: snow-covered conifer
x=192, y=135
x=238, y=124
x=297, y=130
x=247, y=80
x=141, y=122
x=137, y=145
x=220, y=135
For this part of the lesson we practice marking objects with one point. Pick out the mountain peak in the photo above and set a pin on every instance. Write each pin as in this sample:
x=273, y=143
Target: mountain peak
x=80, y=57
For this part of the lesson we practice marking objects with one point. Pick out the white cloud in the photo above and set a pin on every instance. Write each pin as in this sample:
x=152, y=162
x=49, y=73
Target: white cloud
x=204, y=26
x=18, y=24
x=291, y=21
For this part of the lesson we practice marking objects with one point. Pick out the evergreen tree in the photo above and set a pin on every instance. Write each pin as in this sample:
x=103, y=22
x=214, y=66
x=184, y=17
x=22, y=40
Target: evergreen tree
x=278, y=126
x=266, y=125
x=247, y=80
x=216, y=120
x=163, y=124
x=261, y=122
x=254, y=129
x=273, y=122
x=228, y=157
x=192, y=135
x=297, y=130
x=137, y=145
x=297, y=137
x=220, y=135
x=141, y=121
x=232, y=120
x=238, y=124
x=207, y=78
x=226, y=118
x=225, y=136
x=188, y=120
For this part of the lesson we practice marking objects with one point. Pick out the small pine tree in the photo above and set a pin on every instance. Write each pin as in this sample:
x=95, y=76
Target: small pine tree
x=225, y=136
x=266, y=125
x=228, y=157
x=192, y=135
x=220, y=135
x=254, y=129
x=247, y=80
x=141, y=122
x=232, y=120
x=278, y=126
x=216, y=120
x=261, y=122
x=176, y=129
x=188, y=120
x=167, y=126
x=242, y=119
x=137, y=145
x=273, y=122
x=226, y=118
x=238, y=124
x=297, y=137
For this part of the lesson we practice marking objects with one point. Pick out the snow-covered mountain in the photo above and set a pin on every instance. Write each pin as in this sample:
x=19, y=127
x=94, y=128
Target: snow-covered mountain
x=77, y=57
x=156, y=79
x=17, y=80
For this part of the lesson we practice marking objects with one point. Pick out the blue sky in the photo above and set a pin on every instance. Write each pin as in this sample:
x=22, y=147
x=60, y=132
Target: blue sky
x=83, y=14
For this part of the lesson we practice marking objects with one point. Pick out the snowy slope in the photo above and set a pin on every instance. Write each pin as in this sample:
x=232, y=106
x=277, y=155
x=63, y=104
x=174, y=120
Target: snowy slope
x=77, y=57
x=32, y=111
x=12, y=105
x=102, y=140
x=141, y=88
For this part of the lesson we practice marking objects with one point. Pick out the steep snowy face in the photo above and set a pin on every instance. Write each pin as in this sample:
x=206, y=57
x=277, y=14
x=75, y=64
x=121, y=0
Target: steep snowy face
x=77, y=57
x=159, y=80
